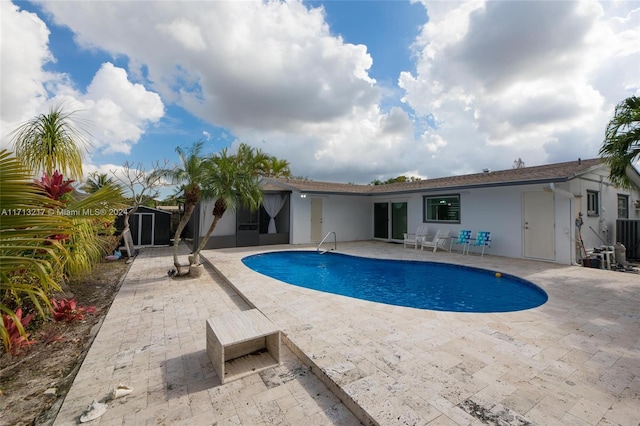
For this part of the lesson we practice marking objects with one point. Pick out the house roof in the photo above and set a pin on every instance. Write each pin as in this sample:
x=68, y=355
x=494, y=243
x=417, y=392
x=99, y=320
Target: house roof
x=279, y=184
x=558, y=172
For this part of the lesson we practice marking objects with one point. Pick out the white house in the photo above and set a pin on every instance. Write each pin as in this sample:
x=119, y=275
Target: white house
x=531, y=212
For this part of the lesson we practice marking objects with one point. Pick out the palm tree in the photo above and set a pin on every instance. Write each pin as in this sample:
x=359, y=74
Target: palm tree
x=232, y=180
x=275, y=167
x=621, y=145
x=191, y=175
x=96, y=181
x=51, y=142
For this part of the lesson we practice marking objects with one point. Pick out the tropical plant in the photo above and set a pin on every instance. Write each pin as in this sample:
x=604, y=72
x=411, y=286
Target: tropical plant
x=621, y=144
x=51, y=141
x=69, y=311
x=191, y=174
x=275, y=167
x=44, y=238
x=55, y=186
x=398, y=179
x=14, y=327
x=96, y=180
x=31, y=263
x=93, y=219
x=232, y=180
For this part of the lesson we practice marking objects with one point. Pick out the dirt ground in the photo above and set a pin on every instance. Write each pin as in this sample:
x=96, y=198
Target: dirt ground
x=33, y=385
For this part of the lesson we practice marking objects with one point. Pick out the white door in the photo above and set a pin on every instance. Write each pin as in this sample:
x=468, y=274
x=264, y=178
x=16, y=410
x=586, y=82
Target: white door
x=316, y=219
x=539, y=225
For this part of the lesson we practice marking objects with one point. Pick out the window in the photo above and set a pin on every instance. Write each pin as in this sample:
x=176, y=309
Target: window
x=593, y=203
x=623, y=206
x=443, y=208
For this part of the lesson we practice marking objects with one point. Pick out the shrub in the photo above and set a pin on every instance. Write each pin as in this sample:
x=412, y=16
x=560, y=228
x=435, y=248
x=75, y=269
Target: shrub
x=17, y=337
x=68, y=310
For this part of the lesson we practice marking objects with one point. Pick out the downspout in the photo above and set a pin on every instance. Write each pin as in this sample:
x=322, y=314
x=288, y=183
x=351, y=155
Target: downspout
x=602, y=227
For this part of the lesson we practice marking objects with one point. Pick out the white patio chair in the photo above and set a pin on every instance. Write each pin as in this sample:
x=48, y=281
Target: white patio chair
x=439, y=240
x=415, y=239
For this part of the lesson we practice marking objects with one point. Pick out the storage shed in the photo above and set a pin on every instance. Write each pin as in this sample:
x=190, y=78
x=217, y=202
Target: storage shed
x=149, y=227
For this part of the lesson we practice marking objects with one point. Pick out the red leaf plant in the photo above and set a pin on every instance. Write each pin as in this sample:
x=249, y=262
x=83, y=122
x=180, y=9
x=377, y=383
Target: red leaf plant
x=17, y=341
x=55, y=186
x=50, y=336
x=68, y=310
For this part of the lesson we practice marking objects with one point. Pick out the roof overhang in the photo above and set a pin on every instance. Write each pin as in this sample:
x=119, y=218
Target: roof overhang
x=634, y=175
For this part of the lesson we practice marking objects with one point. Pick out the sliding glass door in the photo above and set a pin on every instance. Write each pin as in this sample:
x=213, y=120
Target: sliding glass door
x=386, y=229
x=398, y=221
x=381, y=220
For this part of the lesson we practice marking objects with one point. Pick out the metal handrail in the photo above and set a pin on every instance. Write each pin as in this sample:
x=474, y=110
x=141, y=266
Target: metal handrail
x=335, y=242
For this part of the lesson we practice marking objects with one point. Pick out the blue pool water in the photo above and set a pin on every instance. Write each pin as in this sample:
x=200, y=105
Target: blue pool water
x=424, y=285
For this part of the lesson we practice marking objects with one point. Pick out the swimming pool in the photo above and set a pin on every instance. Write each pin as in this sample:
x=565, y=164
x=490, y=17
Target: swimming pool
x=423, y=285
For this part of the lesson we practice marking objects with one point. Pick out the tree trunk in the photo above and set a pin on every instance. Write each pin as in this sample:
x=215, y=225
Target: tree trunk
x=126, y=225
x=204, y=241
x=176, y=238
x=219, y=208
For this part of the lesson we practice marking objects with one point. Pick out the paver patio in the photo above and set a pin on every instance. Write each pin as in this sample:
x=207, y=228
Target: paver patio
x=573, y=361
x=153, y=339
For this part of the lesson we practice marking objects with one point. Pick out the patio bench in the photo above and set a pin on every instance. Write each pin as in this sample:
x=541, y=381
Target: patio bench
x=242, y=343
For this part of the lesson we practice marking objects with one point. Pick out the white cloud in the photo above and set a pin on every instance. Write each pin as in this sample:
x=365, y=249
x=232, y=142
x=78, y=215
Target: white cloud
x=24, y=48
x=493, y=81
x=185, y=32
x=535, y=80
x=119, y=110
x=114, y=111
x=246, y=64
x=271, y=73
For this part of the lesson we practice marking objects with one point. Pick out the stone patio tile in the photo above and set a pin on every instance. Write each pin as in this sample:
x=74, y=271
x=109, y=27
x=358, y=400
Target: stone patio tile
x=561, y=363
x=590, y=411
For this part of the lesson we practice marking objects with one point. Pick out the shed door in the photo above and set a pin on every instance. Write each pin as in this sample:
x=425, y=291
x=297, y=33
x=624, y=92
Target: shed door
x=539, y=225
x=146, y=229
x=142, y=225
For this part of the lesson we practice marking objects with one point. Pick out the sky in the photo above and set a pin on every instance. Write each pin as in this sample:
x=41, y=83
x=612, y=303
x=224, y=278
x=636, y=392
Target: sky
x=346, y=91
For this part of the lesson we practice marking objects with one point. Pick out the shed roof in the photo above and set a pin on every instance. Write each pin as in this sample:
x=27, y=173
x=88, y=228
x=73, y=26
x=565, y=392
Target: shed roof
x=558, y=172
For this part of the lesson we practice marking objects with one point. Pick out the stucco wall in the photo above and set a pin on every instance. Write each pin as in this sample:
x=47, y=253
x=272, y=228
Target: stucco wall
x=600, y=228
x=500, y=211
x=226, y=225
x=351, y=218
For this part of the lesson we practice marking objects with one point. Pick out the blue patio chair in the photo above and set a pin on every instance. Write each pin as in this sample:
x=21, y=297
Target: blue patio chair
x=483, y=239
x=463, y=240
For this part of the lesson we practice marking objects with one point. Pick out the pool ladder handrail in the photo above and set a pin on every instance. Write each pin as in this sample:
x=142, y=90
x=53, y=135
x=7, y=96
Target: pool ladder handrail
x=335, y=242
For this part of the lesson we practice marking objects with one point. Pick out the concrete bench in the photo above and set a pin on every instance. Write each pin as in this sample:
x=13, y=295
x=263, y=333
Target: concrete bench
x=242, y=343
